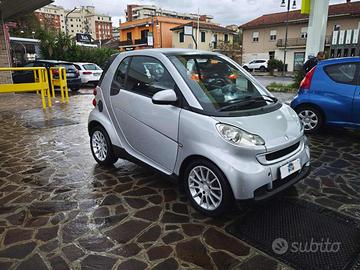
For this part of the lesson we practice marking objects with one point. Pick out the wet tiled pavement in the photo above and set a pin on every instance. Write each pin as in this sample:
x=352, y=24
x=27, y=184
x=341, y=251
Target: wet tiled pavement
x=60, y=210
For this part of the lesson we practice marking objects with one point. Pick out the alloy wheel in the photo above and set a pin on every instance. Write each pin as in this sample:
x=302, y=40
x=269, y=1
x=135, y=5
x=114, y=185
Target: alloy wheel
x=309, y=119
x=99, y=145
x=205, y=188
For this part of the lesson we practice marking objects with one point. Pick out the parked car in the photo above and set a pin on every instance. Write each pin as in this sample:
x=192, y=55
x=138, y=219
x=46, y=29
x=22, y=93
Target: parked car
x=220, y=134
x=330, y=95
x=89, y=72
x=258, y=64
x=72, y=75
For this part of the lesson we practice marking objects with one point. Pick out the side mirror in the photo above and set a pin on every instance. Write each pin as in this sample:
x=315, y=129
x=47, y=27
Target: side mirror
x=165, y=97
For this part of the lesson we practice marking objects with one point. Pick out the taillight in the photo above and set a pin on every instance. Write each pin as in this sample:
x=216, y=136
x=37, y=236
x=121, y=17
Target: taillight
x=87, y=72
x=55, y=72
x=94, y=92
x=232, y=77
x=94, y=102
x=306, y=82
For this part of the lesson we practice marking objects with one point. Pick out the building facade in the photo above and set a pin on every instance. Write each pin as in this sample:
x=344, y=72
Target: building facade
x=210, y=36
x=83, y=19
x=138, y=12
x=264, y=37
x=153, y=32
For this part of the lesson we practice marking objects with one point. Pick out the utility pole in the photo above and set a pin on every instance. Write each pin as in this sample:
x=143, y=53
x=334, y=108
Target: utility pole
x=286, y=29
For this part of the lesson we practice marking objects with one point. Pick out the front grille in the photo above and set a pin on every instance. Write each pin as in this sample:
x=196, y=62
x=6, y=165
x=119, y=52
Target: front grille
x=282, y=152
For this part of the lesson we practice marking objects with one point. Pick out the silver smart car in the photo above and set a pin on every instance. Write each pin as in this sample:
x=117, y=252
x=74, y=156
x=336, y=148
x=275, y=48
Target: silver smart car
x=201, y=119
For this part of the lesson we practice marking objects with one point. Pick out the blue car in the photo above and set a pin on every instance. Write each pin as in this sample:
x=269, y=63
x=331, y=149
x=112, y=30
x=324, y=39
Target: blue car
x=330, y=95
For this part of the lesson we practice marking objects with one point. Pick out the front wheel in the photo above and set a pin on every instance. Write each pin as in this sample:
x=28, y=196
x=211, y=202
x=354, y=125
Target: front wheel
x=101, y=146
x=262, y=69
x=311, y=118
x=207, y=188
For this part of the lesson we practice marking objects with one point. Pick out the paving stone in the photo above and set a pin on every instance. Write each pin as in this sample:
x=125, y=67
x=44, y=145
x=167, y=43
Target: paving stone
x=169, y=195
x=96, y=243
x=220, y=240
x=110, y=221
x=37, y=222
x=19, y=251
x=5, y=265
x=123, y=187
x=95, y=262
x=127, y=231
x=168, y=264
x=46, y=234
x=45, y=208
x=72, y=252
x=151, y=235
x=16, y=235
x=57, y=218
x=143, y=191
x=111, y=200
x=49, y=246
x=128, y=250
x=136, y=203
x=159, y=252
x=120, y=209
x=192, y=229
x=259, y=262
x=101, y=212
x=151, y=213
x=193, y=251
x=132, y=264
x=223, y=260
x=17, y=219
x=172, y=237
x=155, y=199
x=34, y=262
x=75, y=229
x=170, y=217
x=180, y=208
x=58, y=263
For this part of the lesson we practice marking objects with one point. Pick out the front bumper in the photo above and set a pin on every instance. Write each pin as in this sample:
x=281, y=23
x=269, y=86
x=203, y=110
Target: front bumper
x=257, y=181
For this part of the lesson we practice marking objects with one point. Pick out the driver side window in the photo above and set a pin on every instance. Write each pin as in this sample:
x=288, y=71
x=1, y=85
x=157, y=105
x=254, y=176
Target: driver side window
x=146, y=76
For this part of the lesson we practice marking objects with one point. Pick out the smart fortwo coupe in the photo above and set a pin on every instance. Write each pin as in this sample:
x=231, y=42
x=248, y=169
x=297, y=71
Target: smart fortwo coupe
x=201, y=119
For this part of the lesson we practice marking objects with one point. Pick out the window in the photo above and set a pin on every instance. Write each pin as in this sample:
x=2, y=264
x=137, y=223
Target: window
x=336, y=27
x=203, y=34
x=119, y=77
x=255, y=36
x=129, y=36
x=273, y=35
x=342, y=73
x=303, y=32
x=181, y=37
x=226, y=37
x=147, y=75
x=271, y=55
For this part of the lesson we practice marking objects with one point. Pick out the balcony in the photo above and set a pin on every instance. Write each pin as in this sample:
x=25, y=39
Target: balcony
x=140, y=41
x=126, y=43
x=298, y=42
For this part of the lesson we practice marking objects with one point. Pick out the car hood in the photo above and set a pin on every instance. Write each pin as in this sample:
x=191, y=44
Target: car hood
x=277, y=128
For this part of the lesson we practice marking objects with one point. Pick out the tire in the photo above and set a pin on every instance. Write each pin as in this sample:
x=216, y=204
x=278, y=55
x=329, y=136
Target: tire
x=311, y=118
x=99, y=139
x=76, y=88
x=246, y=68
x=211, y=201
x=262, y=69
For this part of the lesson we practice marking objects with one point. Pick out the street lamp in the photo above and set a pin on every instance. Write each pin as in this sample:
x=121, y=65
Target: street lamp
x=286, y=27
x=66, y=18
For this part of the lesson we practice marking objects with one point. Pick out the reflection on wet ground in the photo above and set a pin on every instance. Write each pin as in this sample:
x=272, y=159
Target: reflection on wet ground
x=60, y=210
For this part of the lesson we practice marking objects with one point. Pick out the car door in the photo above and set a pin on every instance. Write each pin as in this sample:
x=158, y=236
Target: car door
x=356, y=101
x=252, y=64
x=339, y=89
x=24, y=76
x=150, y=131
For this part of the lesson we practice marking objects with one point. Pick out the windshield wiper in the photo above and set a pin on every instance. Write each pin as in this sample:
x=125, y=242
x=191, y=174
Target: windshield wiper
x=248, y=100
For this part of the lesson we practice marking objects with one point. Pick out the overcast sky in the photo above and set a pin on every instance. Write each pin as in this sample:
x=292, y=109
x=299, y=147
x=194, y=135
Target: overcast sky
x=224, y=11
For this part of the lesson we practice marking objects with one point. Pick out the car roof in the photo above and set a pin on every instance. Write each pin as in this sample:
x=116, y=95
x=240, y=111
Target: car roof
x=84, y=63
x=168, y=51
x=53, y=62
x=339, y=60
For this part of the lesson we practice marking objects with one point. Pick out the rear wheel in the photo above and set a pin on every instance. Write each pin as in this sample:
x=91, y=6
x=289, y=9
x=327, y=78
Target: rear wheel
x=311, y=118
x=262, y=69
x=101, y=146
x=207, y=188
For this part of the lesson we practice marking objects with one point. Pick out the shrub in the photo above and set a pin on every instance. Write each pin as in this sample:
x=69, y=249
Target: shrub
x=275, y=64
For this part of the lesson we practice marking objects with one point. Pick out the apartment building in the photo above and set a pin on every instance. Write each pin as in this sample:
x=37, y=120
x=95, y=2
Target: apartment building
x=138, y=12
x=83, y=19
x=264, y=37
x=211, y=36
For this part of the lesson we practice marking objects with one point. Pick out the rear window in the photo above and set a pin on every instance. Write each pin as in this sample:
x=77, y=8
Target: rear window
x=342, y=73
x=91, y=67
x=69, y=67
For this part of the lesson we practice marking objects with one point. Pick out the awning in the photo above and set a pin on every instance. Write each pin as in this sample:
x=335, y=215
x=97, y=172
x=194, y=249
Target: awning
x=11, y=9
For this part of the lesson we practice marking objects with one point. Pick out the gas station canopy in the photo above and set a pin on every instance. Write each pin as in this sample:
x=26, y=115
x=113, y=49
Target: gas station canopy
x=14, y=8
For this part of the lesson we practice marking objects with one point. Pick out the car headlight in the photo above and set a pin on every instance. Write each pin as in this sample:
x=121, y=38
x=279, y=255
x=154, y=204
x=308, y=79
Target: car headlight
x=238, y=136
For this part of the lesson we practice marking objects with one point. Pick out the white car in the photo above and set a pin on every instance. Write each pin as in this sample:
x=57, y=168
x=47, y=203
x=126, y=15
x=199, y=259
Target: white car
x=89, y=72
x=258, y=64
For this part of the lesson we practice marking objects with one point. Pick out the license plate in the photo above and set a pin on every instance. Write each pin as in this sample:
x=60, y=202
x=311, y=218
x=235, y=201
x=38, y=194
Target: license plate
x=290, y=168
x=97, y=74
x=70, y=75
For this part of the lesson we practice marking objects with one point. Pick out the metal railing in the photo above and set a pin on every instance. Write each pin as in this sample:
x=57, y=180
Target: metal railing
x=40, y=84
x=58, y=79
x=298, y=42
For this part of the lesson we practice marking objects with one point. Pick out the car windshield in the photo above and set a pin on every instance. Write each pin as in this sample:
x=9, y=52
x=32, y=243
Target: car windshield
x=91, y=67
x=219, y=85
